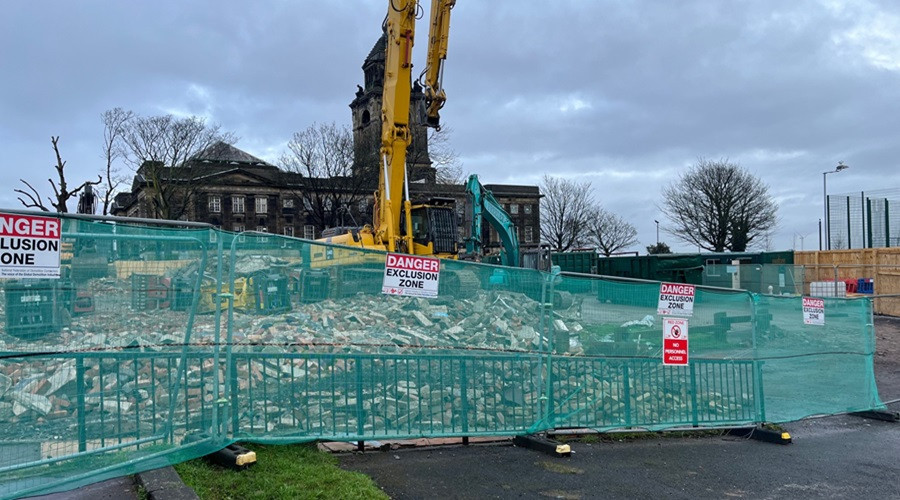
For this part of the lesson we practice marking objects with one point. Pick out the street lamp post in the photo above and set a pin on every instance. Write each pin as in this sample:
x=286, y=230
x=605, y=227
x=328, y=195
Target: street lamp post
x=657, y=233
x=827, y=234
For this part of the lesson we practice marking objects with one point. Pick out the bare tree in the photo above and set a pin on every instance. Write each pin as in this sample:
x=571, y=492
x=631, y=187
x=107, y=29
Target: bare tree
x=330, y=192
x=160, y=148
x=448, y=168
x=566, y=210
x=719, y=206
x=610, y=232
x=60, y=188
x=115, y=122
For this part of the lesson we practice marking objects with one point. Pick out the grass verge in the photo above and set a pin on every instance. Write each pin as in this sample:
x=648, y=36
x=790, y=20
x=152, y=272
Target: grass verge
x=295, y=471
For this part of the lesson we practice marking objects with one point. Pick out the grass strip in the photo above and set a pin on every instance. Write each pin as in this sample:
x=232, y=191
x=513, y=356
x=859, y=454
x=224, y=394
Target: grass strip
x=291, y=471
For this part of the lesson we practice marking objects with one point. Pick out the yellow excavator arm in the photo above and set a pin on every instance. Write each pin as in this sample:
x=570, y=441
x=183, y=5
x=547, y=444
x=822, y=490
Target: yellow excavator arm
x=395, y=131
x=434, y=67
x=430, y=233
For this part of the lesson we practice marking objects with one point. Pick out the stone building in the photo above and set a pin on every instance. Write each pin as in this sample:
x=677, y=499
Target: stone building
x=366, y=118
x=228, y=188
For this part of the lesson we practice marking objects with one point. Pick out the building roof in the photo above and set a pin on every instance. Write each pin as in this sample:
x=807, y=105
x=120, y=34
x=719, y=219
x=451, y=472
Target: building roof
x=377, y=54
x=221, y=152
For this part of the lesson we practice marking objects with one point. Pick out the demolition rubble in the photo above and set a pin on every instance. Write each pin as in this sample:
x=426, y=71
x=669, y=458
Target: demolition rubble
x=360, y=365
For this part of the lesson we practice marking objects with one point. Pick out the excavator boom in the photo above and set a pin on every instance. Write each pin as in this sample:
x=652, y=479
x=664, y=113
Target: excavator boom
x=482, y=205
x=437, y=53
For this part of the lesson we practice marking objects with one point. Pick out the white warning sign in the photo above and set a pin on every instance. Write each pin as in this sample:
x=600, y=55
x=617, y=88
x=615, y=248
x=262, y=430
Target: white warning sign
x=29, y=246
x=676, y=299
x=411, y=275
x=813, y=311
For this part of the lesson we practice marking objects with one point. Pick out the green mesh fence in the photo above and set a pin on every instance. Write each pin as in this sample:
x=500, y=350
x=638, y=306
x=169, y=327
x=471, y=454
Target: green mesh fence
x=158, y=345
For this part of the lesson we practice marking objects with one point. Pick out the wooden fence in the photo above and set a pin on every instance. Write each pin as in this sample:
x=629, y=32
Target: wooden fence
x=880, y=264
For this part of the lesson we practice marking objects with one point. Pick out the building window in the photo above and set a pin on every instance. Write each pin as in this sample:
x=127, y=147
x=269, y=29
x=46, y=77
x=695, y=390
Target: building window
x=215, y=203
x=309, y=232
x=288, y=230
x=288, y=203
x=262, y=229
x=527, y=208
x=262, y=204
x=238, y=228
x=513, y=208
x=529, y=234
x=237, y=205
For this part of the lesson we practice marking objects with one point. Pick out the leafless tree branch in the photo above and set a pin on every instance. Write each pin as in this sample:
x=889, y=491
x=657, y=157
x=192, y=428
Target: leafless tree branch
x=114, y=125
x=159, y=148
x=331, y=192
x=611, y=232
x=566, y=209
x=34, y=197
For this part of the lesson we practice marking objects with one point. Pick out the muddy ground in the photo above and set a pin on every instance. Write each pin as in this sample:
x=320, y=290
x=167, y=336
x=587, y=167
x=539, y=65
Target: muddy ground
x=887, y=357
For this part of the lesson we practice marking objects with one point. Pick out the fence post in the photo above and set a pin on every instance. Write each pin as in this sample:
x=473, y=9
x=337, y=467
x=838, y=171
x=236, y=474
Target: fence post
x=79, y=383
x=695, y=412
x=887, y=223
x=862, y=207
x=627, y=382
x=835, y=280
x=758, y=391
x=464, y=390
x=231, y=366
x=849, y=236
x=869, y=217
x=360, y=417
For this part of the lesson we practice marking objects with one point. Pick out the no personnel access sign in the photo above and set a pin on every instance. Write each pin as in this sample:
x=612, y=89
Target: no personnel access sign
x=675, y=341
x=411, y=275
x=29, y=246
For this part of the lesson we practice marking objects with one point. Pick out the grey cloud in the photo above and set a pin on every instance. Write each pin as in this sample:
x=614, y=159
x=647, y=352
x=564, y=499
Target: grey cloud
x=784, y=88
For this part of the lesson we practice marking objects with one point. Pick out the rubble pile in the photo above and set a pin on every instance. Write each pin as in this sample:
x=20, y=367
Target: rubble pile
x=379, y=364
x=487, y=321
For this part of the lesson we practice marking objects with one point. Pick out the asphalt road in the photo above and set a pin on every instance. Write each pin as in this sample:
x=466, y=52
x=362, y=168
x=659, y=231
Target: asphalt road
x=834, y=457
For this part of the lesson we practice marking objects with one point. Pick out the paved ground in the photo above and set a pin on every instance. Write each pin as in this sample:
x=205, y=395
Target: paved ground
x=837, y=457
x=833, y=457
x=120, y=488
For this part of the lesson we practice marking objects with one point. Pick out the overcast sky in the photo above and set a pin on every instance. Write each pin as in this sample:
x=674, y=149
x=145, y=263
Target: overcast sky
x=625, y=95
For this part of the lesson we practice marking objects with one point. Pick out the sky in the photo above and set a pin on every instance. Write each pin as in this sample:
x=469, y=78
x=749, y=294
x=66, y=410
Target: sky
x=626, y=95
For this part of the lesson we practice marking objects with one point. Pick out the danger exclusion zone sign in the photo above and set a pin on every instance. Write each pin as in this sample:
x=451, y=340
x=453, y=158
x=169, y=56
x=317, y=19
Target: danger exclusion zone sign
x=676, y=299
x=675, y=341
x=813, y=311
x=411, y=275
x=29, y=246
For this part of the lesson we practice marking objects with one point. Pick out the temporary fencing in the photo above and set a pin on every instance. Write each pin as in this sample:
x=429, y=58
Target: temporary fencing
x=161, y=344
